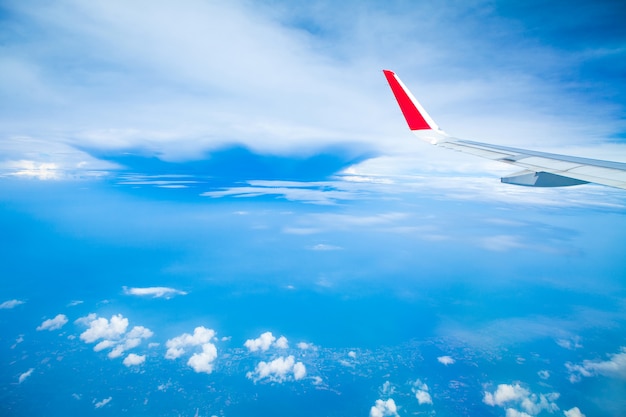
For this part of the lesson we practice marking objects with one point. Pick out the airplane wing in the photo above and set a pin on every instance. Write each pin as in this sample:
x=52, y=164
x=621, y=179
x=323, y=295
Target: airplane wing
x=540, y=169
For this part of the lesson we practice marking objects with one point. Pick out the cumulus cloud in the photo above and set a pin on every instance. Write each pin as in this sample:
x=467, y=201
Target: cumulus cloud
x=384, y=408
x=200, y=361
x=113, y=333
x=446, y=360
x=262, y=343
x=267, y=340
x=304, y=346
x=101, y=328
x=282, y=343
x=203, y=361
x=25, y=375
x=421, y=392
x=573, y=412
x=299, y=371
x=507, y=395
x=176, y=346
x=102, y=403
x=10, y=304
x=614, y=367
x=53, y=324
x=133, y=359
x=279, y=370
x=154, y=292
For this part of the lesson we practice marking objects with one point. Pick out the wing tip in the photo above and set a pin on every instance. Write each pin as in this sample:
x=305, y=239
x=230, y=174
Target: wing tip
x=415, y=116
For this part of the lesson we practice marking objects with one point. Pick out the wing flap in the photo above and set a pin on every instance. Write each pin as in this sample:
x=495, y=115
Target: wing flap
x=612, y=174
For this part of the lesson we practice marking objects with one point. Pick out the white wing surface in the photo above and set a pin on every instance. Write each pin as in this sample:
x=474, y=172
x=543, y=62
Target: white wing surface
x=540, y=169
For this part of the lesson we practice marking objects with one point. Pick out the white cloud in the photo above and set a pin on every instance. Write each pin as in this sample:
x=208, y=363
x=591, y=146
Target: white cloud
x=53, y=324
x=325, y=247
x=299, y=371
x=154, y=292
x=176, y=47
x=25, y=375
x=116, y=352
x=352, y=354
x=19, y=340
x=544, y=374
x=423, y=397
x=101, y=328
x=11, y=304
x=139, y=332
x=304, y=346
x=573, y=412
x=102, y=403
x=570, y=344
x=113, y=333
x=384, y=408
x=615, y=367
x=421, y=392
x=303, y=194
x=105, y=344
x=387, y=389
x=133, y=359
x=262, y=343
x=446, y=360
x=279, y=370
x=282, y=343
x=511, y=412
x=176, y=346
x=203, y=362
x=507, y=395
x=199, y=361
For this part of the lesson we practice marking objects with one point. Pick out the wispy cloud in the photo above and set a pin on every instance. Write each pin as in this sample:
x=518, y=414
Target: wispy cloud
x=614, y=367
x=11, y=304
x=102, y=403
x=325, y=247
x=154, y=292
x=25, y=375
x=53, y=324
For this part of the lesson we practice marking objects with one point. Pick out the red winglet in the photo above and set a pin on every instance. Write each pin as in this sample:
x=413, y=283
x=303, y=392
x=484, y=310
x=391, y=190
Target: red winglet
x=410, y=111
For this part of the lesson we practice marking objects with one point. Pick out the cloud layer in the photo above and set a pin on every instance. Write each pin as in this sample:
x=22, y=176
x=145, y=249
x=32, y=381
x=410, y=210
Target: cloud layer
x=163, y=84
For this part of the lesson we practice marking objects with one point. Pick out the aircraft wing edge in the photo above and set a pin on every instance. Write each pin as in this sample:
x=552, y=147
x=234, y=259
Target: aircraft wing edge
x=541, y=169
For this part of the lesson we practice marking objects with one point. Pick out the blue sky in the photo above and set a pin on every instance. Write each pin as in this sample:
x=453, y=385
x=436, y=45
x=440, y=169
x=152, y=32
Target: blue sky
x=178, y=181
